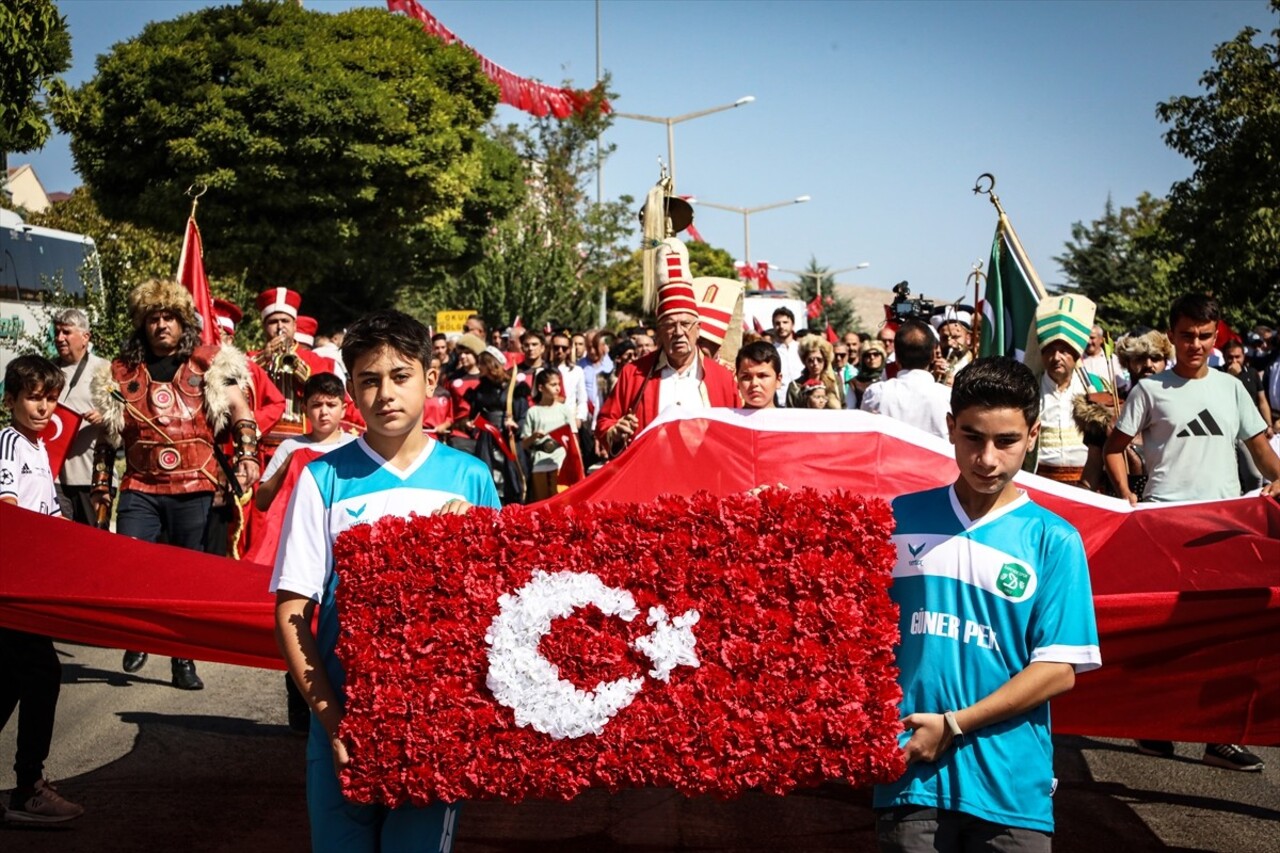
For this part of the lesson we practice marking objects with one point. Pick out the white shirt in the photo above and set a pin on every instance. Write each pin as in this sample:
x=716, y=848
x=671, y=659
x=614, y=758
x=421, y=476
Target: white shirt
x=281, y=457
x=681, y=388
x=914, y=397
x=25, y=474
x=1061, y=442
x=77, y=466
x=574, y=382
x=792, y=367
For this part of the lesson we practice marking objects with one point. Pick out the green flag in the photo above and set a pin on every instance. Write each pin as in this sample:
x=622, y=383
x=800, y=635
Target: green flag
x=1009, y=306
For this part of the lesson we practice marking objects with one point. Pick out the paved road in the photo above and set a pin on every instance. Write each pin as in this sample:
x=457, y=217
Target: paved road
x=160, y=769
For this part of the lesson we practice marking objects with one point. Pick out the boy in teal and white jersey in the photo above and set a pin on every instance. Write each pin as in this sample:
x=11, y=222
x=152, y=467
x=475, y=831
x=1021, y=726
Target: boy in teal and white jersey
x=394, y=469
x=996, y=619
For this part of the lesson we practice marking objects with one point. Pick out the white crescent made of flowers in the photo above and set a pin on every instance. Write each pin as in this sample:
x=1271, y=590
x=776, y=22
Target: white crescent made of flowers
x=529, y=684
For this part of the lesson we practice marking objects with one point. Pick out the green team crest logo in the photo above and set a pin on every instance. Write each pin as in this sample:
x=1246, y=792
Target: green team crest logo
x=1012, y=580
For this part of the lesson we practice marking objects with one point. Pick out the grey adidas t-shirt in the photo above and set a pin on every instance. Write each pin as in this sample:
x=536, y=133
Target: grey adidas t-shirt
x=1189, y=431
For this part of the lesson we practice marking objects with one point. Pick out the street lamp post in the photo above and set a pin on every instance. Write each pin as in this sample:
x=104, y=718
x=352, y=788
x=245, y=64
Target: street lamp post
x=746, y=218
x=819, y=276
x=672, y=121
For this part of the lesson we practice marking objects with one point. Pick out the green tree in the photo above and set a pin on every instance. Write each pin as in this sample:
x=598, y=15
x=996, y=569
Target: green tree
x=35, y=47
x=837, y=311
x=344, y=153
x=550, y=258
x=709, y=260
x=1225, y=218
x=1123, y=263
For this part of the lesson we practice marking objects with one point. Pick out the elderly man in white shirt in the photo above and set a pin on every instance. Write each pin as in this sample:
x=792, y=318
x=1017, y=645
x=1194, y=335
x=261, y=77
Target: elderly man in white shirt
x=913, y=396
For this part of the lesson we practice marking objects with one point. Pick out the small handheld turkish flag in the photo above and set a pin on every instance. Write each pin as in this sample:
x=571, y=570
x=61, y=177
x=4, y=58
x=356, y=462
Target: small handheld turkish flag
x=481, y=423
x=58, y=435
x=571, y=470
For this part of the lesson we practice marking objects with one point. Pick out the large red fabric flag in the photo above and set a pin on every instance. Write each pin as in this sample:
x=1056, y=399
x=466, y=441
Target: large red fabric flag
x=191, y=276
x=58, y=435
x=1187, y=595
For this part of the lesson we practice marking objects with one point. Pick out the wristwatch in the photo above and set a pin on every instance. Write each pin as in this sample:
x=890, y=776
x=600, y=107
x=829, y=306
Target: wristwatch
x=949, y=717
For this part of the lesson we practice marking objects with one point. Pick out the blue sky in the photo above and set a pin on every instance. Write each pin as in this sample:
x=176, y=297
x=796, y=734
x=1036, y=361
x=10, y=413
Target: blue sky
x=884, y=113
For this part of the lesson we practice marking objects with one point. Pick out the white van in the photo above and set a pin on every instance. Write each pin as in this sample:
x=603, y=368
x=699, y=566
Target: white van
x=35, y=261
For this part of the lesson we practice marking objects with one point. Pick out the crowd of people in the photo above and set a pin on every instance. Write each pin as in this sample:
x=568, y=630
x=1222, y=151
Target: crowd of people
x=216, y=444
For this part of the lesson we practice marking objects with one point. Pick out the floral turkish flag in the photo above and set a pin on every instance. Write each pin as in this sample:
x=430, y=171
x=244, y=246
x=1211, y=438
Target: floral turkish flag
x=709, y=644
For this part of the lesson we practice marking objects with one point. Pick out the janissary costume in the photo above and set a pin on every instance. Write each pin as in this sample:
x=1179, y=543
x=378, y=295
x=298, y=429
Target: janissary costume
x=650, y=384
x=289, y=369
x=165, y=405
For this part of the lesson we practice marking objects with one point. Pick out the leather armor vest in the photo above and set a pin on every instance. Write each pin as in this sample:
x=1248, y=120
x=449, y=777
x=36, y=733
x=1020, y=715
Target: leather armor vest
x=169, y=449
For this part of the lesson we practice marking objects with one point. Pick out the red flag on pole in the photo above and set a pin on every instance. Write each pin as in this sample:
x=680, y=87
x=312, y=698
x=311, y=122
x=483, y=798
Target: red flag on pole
x=814, y=308
x=191, y=276
x=831, y=334
x=572, y=469
x=58, y=435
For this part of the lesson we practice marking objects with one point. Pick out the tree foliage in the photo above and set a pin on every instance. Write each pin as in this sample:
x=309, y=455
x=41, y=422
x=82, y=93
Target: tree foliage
x=343, y=154
x=1225, y=218
x=35, y=47
x=837, y=311
x=1122, y=262
x=709, y=260
x=549, y=259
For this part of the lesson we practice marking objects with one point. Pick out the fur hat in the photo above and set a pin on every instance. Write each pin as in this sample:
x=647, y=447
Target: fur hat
x=1152, y=343
x=160, y=295
x=1093, y=419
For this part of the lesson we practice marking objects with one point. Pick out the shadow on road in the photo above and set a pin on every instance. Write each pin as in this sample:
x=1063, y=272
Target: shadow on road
x=200, y=783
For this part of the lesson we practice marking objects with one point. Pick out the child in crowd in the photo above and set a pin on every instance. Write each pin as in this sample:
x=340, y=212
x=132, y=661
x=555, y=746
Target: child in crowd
x=996, y=619
x=32, y=672
x=324, y=401
x=759, y=373
x=544, y=418
x=394, y=469
x=815, y=394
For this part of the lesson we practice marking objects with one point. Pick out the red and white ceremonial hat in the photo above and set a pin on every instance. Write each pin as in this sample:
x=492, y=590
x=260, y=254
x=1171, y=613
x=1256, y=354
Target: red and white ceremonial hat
x=675, y=284
x=305, y=332
x=276, y=299
x=227, y=314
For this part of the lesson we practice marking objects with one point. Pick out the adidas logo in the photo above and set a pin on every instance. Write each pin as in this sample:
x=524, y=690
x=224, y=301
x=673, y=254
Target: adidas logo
x=26, y=469
x=1203, y=424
